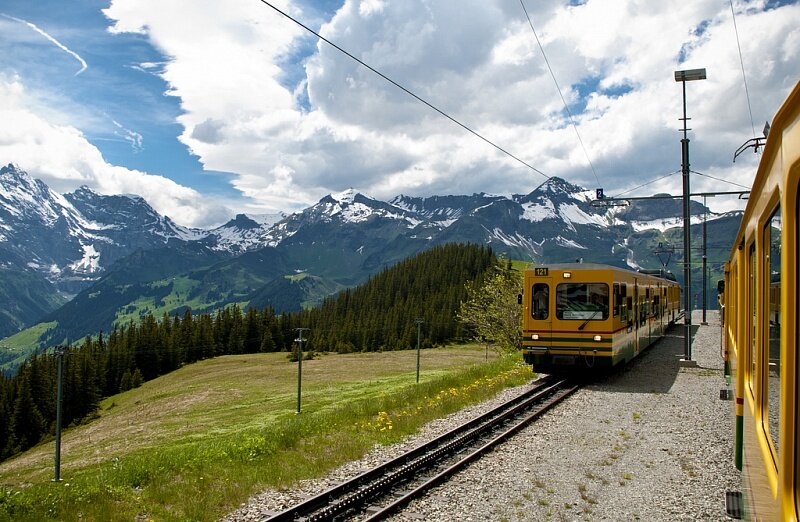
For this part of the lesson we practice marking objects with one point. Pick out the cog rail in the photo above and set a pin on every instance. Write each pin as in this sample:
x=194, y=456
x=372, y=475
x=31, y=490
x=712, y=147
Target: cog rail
x=431, y=463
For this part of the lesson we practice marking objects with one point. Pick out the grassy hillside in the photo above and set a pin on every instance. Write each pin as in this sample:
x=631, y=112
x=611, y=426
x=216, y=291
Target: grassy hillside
x=15, y=349
x=195, y=444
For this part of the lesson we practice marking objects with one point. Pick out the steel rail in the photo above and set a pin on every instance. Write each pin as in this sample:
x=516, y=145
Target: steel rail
x=399, y=503
x=375, y=482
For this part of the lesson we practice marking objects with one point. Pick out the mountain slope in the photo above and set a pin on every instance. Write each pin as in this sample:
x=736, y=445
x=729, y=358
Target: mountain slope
x=299, y=259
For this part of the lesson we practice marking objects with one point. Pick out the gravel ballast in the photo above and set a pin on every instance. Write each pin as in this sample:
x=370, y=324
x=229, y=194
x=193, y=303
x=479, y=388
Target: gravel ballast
x=651, y=442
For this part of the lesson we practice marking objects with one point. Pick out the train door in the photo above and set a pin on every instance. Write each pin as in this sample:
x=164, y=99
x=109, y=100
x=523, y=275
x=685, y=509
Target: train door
x=648, y=316
x=636, y=308
x=542, y=310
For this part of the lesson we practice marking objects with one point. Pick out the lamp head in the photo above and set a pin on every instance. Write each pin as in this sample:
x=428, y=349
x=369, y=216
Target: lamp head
x=690, y=74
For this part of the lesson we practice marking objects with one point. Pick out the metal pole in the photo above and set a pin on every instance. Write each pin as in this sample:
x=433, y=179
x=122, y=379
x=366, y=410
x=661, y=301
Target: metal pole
x=60, y=354
x=299, y=366
x=419, y=324
x=705, y=261
x=683, y=77
x=687, y=238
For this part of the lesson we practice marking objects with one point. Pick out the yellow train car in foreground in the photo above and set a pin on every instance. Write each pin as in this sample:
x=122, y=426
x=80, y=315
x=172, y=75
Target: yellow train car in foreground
x=583, y=317
x=760, y=330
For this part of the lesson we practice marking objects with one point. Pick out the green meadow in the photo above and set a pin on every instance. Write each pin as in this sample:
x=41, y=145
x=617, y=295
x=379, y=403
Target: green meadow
x=195, y=444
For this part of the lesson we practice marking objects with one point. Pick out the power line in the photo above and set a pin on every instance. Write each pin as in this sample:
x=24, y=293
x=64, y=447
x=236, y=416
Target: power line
x=645, y=184
x=558, y=88
x=404, y=89
x=720, y=179
x=744, y=77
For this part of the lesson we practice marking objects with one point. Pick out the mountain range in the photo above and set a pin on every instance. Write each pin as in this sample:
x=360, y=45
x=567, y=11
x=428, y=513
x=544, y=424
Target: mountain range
x=80, y=262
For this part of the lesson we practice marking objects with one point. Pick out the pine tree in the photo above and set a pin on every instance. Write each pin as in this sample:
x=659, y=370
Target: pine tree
x=126, y=382
x=136, y=378
x=26, y=425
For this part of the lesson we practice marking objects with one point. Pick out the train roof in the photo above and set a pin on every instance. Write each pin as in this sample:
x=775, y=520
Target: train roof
x=669, y=276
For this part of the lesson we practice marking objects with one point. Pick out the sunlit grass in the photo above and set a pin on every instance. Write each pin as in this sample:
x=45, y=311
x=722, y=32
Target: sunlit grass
x=196, y=444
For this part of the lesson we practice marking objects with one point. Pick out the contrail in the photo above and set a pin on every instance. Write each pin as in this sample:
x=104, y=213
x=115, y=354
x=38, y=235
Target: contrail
x=61, y=46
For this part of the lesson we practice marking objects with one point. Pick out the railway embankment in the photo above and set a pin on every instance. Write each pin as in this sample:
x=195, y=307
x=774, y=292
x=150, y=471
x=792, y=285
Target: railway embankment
x=650, y=442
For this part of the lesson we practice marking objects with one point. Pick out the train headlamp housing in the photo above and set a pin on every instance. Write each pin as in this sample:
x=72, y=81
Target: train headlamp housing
x=598, y=338
x=535, y=337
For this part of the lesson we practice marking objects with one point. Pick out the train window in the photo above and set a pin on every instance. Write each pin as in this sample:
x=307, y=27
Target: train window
x=587, y=301
x=617, y=300
x=541, y=301
x=623, y=300
x=751, y=291
x=629, y=309
x=772, y=325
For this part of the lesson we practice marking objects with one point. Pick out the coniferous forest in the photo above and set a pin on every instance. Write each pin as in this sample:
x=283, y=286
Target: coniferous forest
x=379, y=315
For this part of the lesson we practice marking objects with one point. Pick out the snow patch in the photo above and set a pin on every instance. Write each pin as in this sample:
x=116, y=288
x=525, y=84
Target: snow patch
x=346, y=196
x=569, y=243
x=664, y=223
x=572, y=213
x=536, y=212
x=518, y=241
x=89, y=263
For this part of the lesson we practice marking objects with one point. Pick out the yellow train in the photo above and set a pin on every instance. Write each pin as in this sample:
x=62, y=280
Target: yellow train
x=580, y=316
x=759, y=338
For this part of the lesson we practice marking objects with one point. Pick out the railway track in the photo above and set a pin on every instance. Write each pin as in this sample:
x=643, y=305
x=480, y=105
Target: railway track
x=387, y=488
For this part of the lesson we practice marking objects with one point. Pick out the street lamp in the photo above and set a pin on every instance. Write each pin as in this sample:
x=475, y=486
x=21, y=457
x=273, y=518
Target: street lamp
x=683, y=77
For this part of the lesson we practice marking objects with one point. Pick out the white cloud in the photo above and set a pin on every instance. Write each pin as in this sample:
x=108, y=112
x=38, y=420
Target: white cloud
x=63, y=158
x=294, y=119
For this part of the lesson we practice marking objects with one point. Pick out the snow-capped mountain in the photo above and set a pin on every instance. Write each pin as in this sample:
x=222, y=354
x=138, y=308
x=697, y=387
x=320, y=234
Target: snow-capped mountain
x=70, y=241
x=241, y=234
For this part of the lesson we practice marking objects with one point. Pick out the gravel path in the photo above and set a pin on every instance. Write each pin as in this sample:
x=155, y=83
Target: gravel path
x=651, y=442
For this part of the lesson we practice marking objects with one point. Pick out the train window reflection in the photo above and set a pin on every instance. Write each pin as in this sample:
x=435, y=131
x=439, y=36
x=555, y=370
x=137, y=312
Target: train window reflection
x=540, y=308
x=587, y=301
x=772, y=325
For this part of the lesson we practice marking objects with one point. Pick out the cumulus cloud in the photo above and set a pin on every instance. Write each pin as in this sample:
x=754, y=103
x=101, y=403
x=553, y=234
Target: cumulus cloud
x=62, y=157
x=293, y=138
x=293, y=119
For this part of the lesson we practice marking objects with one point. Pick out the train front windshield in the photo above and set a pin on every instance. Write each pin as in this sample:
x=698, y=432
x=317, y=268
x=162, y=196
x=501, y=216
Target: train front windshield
x=582, y=301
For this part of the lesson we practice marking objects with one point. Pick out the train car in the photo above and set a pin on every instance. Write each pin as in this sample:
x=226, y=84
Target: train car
x=580, y=316
x=759, y=337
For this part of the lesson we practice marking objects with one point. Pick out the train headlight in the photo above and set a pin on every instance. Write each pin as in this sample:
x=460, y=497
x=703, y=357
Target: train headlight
x=598, y=338
x=535, y=337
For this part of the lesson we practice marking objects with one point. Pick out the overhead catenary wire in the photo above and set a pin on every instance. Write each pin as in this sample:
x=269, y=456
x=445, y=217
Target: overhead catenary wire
x=744, y=76
x=558, y=88
x=720, y=179
x=406, y=90
x=648, y=183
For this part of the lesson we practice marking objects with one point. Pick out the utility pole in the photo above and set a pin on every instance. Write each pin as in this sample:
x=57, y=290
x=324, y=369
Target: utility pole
x=683, y=77
x=59, y=351
x=419, y=322
x=705, y=261
x=300, y=365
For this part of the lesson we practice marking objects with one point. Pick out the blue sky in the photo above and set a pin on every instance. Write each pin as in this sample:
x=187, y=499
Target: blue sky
x=110, y=90
x=214, y=108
